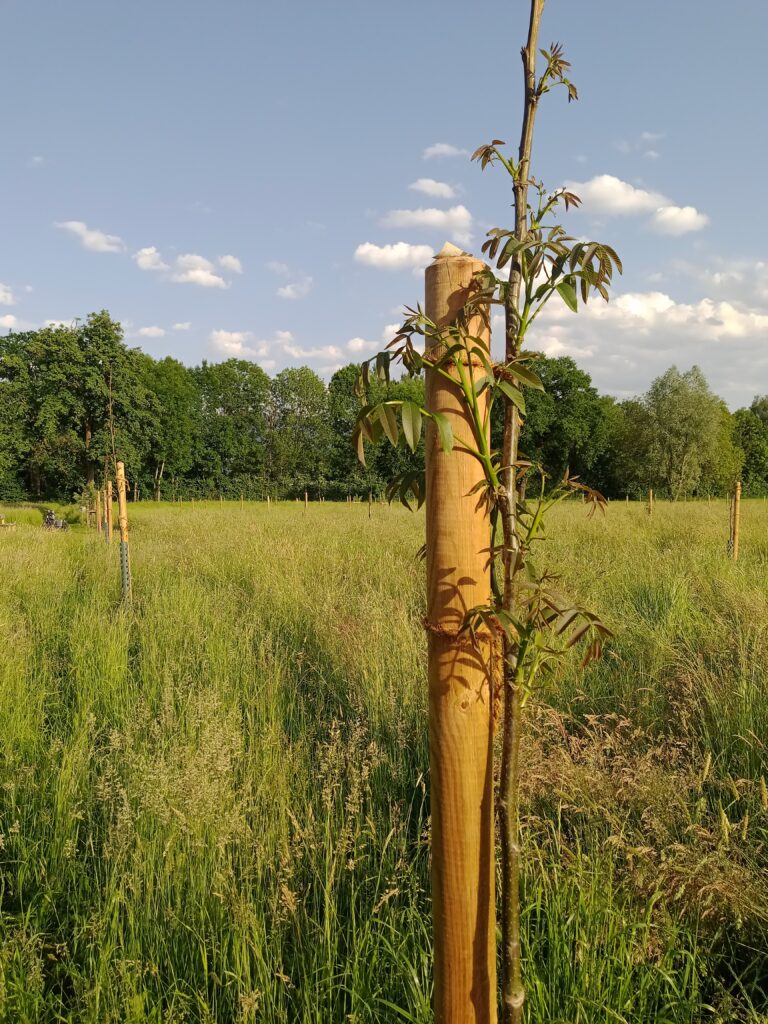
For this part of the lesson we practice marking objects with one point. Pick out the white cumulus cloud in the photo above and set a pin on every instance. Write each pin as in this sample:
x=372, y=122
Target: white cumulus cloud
x=397, y=256
x=456, y=221
x=678, y=220
x=91, y=238
x=607, y=194
x=8, y=321
x=185, y=326
x=320, y=352
x=231, y=263
x=149, y=258
x=245, y=345
x=635, y=337
x=6, y=296
x=430, y=187
x=442, y=149
x=296, y=289
x=360, y=345
x=193, y=269
x=152, y=332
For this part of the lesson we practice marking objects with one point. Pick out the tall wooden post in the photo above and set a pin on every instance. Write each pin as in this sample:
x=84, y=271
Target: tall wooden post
x=98, y=512
x=305, y=501
x=650, y=501
x=735, y=522
x=460, y=688
x=122, y=514
x=370, y=504
x=109, y=511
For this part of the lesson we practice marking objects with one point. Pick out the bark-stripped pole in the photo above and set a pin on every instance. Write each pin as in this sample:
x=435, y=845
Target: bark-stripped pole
x=98, y=511
x=122, y=510
x=650, y=501
x=305, y=501
x=109, y=511
x=736, y=521
x=460, y=688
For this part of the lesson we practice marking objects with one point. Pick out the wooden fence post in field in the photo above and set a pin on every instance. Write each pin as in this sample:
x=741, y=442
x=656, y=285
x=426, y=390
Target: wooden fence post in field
x=268, y=501
x=122, y=511
x=460, y=686
x=98, y=511
x=109, y=511
x=370, y=503
x=733, y=543
x=650, y=501
x=242, y=505
x=305, y=501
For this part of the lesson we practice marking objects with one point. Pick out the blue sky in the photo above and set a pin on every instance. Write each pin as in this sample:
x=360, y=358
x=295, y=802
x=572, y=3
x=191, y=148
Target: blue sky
x=267, y=180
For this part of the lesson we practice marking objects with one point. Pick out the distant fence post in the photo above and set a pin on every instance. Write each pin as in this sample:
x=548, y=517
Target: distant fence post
x=109, y=511
x=98, y=511
x=733, y=541
x=650, y=501
x=305, y=501
x=122, y=509
x=370, y=503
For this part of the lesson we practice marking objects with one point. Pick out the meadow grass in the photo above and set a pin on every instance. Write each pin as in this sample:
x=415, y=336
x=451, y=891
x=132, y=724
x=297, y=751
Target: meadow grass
x=214, y=806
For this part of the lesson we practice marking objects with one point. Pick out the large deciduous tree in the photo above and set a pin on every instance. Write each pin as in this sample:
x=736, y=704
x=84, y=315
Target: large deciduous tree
x=685, y=428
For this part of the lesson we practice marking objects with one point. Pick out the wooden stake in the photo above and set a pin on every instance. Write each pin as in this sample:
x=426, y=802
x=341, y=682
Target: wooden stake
x=650, y=501
x=736, y=522
x=98, y=512
x=268, y=501
x=109, y=511
x=370, y=503
x=305, y=501
x=242, y=506
x=122, y=509
x=460, y=690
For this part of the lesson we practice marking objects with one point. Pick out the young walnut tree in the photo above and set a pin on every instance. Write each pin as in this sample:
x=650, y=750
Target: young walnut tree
x=533, y=262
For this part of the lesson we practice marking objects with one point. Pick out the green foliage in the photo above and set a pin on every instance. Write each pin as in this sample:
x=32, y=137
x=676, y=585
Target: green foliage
x=211, y=817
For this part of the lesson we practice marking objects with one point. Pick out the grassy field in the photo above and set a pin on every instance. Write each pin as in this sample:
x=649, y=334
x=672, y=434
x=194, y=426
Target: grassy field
x=214, y=808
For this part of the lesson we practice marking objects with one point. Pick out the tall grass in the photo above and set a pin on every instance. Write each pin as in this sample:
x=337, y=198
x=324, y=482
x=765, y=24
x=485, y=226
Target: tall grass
x=214, y=807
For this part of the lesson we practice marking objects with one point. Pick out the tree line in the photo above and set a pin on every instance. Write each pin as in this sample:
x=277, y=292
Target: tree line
x=74, y=397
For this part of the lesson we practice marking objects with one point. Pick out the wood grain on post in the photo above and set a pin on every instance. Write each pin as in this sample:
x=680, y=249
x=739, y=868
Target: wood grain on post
x=736, y=521
x=460, y=688
x=109, y=511
x=122, y=518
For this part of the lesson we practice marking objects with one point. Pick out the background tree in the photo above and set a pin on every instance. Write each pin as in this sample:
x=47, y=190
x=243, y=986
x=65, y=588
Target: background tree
x=751, y=437
x=176, y=430
x=234, y=399
x=299, y=438
x=685, y=427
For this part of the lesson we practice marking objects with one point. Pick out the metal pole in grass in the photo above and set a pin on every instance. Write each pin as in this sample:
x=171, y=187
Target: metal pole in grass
x=122, y=511
x=460, y=684
x=109, y=511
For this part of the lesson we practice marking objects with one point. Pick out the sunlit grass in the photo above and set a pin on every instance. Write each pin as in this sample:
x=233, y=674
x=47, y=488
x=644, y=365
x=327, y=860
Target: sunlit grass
x=214, y=807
